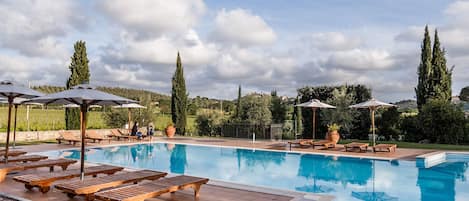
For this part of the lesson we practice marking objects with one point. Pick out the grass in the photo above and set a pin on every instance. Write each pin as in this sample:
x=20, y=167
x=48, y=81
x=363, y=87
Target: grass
x=31, y=142
x=416, y=145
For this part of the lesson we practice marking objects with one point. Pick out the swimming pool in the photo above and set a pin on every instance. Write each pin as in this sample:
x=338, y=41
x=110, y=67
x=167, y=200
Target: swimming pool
x=344, y=177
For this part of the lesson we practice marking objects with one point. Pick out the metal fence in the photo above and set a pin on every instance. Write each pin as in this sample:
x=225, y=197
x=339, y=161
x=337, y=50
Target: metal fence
x=236, y=130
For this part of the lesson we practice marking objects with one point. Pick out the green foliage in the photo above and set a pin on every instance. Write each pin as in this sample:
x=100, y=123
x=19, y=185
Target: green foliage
x=256, y=109
x=423, y=89
x=341, y=115
x=464, y=94
x=298, y=117
x=388, y=124
x=209, y=123
x=115, y=118
x=442, y=122
x=179, y=98
x=333, y=127
x=238, y=104
x=361, y=123
x=278, y=108
x=79, y=74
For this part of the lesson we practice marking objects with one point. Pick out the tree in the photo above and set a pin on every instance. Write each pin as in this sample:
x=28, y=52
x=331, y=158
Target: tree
x=389, y=123
x=464, y=94
x=423, y=89
x=298, y=119
x=238, y=104
x=442, y=122
x=256, y=109
x=179, y=98
x=79, y=74
x=277, y=108
x=341, y=115
x=441, y=75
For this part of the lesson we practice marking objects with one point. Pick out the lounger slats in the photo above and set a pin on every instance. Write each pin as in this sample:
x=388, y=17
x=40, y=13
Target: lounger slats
x=13, y=153
x=24, y=158
x=5, y=168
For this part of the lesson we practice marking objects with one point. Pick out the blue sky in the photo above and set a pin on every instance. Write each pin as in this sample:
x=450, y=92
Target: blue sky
x=262, y=45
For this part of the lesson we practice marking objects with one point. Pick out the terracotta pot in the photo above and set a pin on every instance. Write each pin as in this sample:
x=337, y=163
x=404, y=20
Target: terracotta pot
x=170, y=131
x=334, y=136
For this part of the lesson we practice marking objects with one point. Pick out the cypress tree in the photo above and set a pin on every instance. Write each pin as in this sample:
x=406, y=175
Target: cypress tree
x=298, y=117
x=179, y=98
x=424, y=89
x=238, y=105
x=441, y=76
x=79, y=74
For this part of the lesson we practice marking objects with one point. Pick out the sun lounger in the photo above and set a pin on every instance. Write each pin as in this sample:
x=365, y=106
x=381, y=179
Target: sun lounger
x=152, y=189
x=385, y=147
x=5, y=168
x=24, y=158
x=116, y=133
x=300, y=143
x=90, y=186
x=95, y=136
x=325, y=143
x=356, y=145
x=13, y=153
x=44, y=181
x=68, y=136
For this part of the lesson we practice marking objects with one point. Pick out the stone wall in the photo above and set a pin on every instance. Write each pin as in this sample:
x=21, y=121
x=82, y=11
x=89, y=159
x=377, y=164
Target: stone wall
x=42, y=135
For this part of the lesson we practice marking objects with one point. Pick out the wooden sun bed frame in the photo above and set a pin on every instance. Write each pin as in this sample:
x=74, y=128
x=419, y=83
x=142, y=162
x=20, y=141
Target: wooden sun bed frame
x=140, y=192
x=68, y=136
x=44, y=181
x=95, y=136
x=50, y=163
x=386, y=147
x=300, y=142
x=118, y=135
x=24, y=158
x=90, y=186
x=356, y=145
x=324, y=143
x=13, y=153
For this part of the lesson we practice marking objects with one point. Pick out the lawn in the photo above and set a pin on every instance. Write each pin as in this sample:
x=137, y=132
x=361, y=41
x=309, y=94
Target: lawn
x=417, y=145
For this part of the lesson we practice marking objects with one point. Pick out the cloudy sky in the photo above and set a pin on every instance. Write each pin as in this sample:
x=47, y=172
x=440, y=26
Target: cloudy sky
x=262, y=45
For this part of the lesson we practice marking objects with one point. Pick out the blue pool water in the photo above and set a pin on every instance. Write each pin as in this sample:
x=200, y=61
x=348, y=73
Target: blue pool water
x=344, y=177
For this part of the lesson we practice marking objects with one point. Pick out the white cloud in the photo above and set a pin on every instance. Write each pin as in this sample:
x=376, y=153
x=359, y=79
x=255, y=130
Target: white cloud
x=330, y=41
x=360, y=59
x=243, y=28
x=152, y=18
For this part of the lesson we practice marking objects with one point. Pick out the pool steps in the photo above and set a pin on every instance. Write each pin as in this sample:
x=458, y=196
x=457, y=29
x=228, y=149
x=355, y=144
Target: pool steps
x=435, y=158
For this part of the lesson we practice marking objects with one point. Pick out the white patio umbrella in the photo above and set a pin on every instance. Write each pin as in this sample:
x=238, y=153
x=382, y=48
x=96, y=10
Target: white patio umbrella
x=372, y=105
x=10, y=91
x=83, y=95
x=314, y=104
x=129, y=107
x=16, y=103
x=77, y=106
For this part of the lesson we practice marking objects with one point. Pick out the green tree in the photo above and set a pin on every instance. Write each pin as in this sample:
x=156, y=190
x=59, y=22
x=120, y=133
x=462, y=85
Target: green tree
x=388, y=124
x=277, y=108
x=79, y=74
x=341, y=115
x=298, y=117
x=464, y=94
x=256, y=109
x=423, y=89
x=442, y=122
x=238, y=104
x=179, y=98
x=441, y=75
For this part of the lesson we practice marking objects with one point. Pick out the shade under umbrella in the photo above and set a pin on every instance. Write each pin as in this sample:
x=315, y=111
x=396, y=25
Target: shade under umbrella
x=315, y=104
x=372, y=105
x=83, y=95
x=11, y=92
x=129, y=107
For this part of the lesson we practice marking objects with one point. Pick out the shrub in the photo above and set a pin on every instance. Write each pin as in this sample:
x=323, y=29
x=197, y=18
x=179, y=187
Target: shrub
x=388, y=124
x=442, y=122
x=209, y=123
x=409, y=127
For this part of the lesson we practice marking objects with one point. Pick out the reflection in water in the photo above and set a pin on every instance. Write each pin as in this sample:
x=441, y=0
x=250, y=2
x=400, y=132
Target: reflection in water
x=253, y=158
x=438, y=182
x=178, y=160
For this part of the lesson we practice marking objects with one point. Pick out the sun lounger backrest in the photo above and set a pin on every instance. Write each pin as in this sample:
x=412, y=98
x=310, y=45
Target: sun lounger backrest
x=93, y=134
x=69, y=136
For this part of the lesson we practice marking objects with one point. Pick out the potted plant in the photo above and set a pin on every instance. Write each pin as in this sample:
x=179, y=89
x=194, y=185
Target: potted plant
x=170, y=130
x=333, y=133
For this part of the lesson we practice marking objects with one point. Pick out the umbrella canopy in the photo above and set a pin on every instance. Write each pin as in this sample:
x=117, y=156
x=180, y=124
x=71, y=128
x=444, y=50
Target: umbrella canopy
x=84, y=96
x=372, y=105
x=129, y=107
x=314, y=104
x=77, y=106
x=12, y=92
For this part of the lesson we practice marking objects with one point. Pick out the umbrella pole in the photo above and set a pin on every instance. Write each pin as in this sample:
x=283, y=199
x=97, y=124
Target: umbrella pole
x=314, y=123
x=373, y=125
x=14, y=126
x=10, y=104
x=83, y=110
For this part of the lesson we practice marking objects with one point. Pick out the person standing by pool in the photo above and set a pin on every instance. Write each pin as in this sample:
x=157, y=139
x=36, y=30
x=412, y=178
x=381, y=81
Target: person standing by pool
x=150, y=130
x=135, y=131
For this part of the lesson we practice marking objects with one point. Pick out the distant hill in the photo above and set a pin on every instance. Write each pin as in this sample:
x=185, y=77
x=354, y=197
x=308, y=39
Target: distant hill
x=406, y=104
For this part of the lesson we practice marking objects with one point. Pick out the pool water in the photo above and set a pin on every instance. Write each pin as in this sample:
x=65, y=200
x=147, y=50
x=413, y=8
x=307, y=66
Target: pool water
x=345, y=178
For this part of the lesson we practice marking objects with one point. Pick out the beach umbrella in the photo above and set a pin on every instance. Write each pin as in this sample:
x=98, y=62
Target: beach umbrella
x=83, y=95
x=314, y=104
x=129, y=107
x=373, y=196
x=372, y=105
x=10, y=91
x=77, y=106
x=16, y=103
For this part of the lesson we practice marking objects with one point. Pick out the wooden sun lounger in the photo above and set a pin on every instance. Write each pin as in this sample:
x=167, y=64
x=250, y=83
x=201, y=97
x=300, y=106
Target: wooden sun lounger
x=68, y=136
x=90, y=186
x=45, y=180
x=13, y=153
x=24, y=158
x=95, y=136
x=385, y=147
x=301, y=142
x=116, y=133
x=325, y=143
x=140, y=192
x=5, y=168
x=356, y=145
